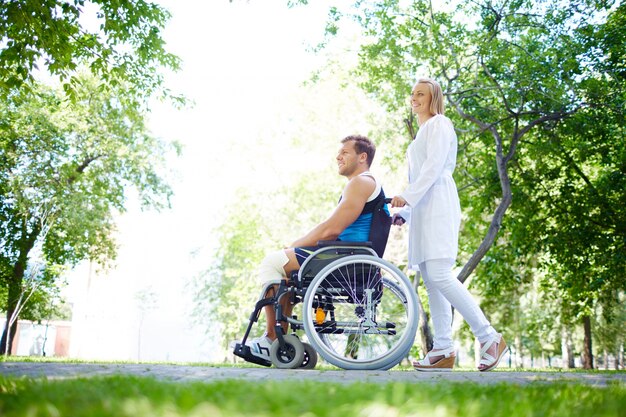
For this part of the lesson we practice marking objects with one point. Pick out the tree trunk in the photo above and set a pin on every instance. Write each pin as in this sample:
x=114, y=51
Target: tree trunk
x=426, y=334
x=566, y=349
x=492, y=232
x=502, y=161
x=26, y=244
x=15, y=290
x=587, y=352
x=519, y=355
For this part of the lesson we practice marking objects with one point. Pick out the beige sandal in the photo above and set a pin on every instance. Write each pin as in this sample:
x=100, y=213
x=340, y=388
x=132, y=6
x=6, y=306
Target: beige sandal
x=489, y=360
x=445, y=364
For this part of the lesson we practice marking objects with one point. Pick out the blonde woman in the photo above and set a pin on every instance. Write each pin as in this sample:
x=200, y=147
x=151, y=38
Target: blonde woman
x=431, y=207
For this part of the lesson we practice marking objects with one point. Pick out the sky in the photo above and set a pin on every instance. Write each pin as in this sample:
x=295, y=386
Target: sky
x=243, y=63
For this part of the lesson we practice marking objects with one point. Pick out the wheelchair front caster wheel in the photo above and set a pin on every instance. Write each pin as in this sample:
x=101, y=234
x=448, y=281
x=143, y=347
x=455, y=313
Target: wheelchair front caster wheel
x=289, y=356
x=310, y=357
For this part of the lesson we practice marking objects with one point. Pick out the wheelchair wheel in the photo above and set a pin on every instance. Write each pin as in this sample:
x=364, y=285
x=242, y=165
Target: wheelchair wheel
x=370, y=316
x=310, y=357
x=288, y=357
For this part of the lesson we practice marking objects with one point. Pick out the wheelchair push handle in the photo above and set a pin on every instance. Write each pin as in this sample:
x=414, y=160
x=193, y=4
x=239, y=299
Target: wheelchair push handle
x=399, y=220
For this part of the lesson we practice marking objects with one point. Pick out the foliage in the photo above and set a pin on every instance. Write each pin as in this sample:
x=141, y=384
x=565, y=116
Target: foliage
x=609, y=323
x=270, y=214
x=65, y=168
x=571, y=180
x=41, y=293
x=119, y=41
x=138, y=397
x=537, y=91
x=227, y=291
x=222, y=294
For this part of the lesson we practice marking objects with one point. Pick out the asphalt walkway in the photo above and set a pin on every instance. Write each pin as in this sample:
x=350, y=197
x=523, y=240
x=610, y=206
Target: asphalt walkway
x=183, y=373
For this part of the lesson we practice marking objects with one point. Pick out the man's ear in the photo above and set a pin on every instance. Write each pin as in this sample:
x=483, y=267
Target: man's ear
x=363, y=157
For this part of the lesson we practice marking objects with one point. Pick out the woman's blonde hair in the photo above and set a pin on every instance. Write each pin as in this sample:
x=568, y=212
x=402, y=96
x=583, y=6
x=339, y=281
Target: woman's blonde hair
x=437, y=105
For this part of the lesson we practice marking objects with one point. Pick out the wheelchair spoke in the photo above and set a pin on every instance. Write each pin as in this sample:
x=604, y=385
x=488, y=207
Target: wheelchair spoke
x=372, y=319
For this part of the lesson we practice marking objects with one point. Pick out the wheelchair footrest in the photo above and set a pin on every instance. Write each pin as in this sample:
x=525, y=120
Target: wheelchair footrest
x=243, y=351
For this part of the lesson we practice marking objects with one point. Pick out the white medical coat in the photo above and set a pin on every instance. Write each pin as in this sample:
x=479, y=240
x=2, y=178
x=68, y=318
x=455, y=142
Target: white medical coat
x=433, y=211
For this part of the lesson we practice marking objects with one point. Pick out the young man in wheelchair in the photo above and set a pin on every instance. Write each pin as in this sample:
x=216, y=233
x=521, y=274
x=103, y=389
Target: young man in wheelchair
x=350, y=221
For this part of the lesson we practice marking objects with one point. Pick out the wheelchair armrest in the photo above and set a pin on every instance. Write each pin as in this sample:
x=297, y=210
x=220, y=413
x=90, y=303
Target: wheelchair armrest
x=324, y=243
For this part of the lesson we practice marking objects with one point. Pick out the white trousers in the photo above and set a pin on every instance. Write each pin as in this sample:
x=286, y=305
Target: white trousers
x=444, y=291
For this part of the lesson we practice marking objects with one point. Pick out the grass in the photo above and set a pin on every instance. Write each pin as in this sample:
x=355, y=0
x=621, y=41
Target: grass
x=122, y=396
x=147, y=397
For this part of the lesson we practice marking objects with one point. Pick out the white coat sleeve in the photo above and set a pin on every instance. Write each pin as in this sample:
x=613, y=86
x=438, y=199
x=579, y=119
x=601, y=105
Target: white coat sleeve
x=437, y=148
x=405, y=213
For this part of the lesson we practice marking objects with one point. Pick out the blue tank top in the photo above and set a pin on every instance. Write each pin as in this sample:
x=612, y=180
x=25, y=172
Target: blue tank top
x=359, y=230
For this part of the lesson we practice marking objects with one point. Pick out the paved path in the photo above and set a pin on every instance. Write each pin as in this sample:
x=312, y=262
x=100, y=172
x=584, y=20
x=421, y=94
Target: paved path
x=182, y=373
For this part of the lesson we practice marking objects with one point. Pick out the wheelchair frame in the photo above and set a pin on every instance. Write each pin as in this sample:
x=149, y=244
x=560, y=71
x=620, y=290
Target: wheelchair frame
x=289, y=352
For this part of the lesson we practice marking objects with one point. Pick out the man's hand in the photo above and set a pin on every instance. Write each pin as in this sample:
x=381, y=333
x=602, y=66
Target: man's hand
x=398, y=201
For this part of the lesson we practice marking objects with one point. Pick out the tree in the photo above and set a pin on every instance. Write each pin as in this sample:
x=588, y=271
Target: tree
x=146, y=301
x=486, y=70
x=572, y=181
x=303, y=189
x=223, y=294
x=65, y=168
x=226, y=292
x=528, y=83
x=118, y=41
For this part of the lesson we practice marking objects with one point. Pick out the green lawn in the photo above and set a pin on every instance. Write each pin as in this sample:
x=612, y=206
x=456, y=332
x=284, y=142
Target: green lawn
x=122, y=396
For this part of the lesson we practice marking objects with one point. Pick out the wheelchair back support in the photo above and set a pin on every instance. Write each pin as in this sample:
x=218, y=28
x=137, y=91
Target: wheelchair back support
x=381, y=223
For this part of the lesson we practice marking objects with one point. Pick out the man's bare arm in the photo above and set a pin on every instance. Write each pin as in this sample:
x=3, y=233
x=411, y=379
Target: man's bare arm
x=355, y=196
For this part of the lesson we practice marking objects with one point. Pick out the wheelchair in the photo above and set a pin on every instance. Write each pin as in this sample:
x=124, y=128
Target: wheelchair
x=359, y=312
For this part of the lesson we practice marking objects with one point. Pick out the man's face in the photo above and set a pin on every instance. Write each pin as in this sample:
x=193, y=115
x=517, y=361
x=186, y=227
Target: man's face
x=347, y=159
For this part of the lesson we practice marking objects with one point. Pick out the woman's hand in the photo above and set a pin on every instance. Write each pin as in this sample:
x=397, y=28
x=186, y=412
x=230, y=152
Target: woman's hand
x=397, y=220
x=398, y=201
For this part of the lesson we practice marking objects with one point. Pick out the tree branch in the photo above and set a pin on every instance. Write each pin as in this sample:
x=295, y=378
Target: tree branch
x=507, y=197
x=490, y=237
x=498, y=87
x=82, y=167
x=548, y=117
x=410, y=125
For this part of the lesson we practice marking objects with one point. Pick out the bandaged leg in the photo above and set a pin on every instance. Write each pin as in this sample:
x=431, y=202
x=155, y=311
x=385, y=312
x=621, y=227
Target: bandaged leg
x=270, y=273
x=272, y=268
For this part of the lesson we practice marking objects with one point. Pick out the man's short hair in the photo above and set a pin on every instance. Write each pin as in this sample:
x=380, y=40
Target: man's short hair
x=362, y=144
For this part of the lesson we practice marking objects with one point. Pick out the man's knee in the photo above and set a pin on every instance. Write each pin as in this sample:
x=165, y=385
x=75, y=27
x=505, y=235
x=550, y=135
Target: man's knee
x=272, y=267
